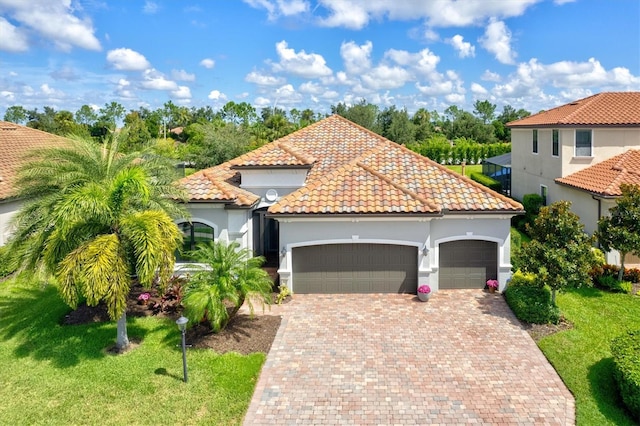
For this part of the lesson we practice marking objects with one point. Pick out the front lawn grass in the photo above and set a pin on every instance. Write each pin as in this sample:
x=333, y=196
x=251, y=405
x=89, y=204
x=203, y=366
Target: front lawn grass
x=468, y=169
x=59, y=375
x=582, y=355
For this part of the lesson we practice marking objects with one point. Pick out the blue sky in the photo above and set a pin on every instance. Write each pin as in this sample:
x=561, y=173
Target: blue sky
x=532, y=54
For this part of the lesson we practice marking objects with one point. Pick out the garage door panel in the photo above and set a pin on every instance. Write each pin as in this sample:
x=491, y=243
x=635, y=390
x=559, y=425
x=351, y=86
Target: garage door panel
x=355, y=268
x=467, y=263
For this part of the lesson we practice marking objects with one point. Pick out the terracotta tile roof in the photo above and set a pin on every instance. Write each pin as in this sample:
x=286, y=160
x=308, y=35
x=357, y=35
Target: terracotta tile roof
x=354, y=170
x=15, y=144
x=603, y=109
x=218, y=184
x=605, y=178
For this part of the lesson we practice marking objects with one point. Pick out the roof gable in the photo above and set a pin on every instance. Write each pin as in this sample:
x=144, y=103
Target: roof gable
x=15, y=144
x=605, y=178
x=603, y=109
x=353, y=171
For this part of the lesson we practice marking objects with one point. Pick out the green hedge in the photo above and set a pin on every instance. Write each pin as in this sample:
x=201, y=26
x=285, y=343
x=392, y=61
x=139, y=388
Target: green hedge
x=626, y=369
x=530, y=301
x=486, y=181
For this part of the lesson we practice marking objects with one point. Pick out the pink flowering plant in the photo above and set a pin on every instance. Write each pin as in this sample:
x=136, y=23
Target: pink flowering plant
x=144, y=297
x=424, y=289
x=492, y=283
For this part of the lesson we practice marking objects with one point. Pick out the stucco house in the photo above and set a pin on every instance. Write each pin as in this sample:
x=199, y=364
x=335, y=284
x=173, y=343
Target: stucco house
x=15, y=144
x=339, y=209
x=580, y=152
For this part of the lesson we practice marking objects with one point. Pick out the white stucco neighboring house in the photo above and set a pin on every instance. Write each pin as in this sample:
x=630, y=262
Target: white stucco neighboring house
x=579, y=152
x=337, y=208
x=15, y=144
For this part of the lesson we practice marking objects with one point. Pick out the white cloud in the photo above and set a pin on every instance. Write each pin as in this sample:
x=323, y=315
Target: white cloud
x=491, y=76
x=13, y=39
x=263, y=79
x=153, y=80
x=311, y=88
x=150, y=7
x=386, y=77
x=208, y=63
x=261, y=102
x=301, y=64
x=463, y=48
x=279, y=8
x=423, y=63
x=182, y=75
x=183, y=92
x=7, y=95
x=356, y=14
x=477, y=89
x=55, y=21
x=357, y=59
x=127, y=60
x=216, y=95
x=497, y=40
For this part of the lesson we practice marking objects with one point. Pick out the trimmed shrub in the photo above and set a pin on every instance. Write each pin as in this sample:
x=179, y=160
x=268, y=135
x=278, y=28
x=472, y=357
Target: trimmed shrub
x=486, y=181
x=532, y=304
x=522, y=279
x=626, y=369
x=611, y=283
x=598, y=273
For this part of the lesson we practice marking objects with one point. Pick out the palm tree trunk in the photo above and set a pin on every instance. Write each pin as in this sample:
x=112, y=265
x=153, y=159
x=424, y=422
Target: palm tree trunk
x=122, y=340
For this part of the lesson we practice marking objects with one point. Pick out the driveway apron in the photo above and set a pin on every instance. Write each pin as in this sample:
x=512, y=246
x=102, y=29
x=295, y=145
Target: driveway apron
x=385, y=359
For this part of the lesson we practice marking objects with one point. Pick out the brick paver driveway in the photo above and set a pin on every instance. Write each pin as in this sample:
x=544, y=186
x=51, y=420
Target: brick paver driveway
x=460, y=358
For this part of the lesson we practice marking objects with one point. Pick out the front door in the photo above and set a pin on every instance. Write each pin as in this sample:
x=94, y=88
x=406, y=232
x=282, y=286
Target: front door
x=266, y=239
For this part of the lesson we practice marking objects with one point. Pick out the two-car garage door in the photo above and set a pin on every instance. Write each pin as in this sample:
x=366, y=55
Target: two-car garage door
x=387, y=268
x=355, y=268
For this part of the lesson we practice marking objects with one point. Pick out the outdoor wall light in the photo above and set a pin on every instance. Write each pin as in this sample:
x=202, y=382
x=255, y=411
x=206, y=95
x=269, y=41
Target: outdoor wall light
x=283, y=252
x=182, y=325
x=425, y=250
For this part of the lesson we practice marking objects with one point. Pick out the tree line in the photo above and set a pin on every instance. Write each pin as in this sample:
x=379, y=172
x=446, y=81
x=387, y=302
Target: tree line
x=206, y=137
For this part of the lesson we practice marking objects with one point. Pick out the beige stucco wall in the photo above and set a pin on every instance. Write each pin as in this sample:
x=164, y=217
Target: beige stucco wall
x=529, y=171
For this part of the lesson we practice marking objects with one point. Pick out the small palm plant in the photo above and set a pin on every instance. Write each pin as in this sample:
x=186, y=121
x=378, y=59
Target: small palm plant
x=225, y=278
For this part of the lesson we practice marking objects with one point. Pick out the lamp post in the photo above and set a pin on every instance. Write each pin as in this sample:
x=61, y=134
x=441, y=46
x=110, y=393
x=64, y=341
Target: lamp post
x=182, y=325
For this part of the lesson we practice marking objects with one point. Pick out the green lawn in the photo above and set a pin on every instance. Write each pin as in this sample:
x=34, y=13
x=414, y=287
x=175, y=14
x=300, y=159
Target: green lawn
x=468, y=169
x=582, y=355
x=58, y=375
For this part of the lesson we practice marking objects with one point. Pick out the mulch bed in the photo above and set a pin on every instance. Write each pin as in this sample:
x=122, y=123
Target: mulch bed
x=244, y=334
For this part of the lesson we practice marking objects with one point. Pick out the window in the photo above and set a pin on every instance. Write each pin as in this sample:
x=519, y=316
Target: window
x=555, y=143
x=583, y=143
x=194, y=233
x=543, y=194
x=535, y=141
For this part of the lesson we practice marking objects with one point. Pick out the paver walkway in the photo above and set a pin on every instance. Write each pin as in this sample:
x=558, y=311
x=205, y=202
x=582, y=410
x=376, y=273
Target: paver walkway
x=384, y=359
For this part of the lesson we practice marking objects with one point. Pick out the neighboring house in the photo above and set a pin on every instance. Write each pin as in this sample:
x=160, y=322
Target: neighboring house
x=499, y=168
x=15, y=144
x=580, y=152
x=340, y=209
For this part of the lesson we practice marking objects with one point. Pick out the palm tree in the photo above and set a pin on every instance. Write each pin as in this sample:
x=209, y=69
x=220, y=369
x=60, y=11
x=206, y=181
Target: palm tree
x=95, y=220
x=226, y=277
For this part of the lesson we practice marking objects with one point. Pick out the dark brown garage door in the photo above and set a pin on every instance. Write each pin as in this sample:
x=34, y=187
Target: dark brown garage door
x=355, y=268
x=467, y=264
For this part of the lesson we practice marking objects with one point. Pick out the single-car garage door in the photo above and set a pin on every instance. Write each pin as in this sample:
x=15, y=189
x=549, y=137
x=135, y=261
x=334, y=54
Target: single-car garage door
x=355, y=268
x=467, y=264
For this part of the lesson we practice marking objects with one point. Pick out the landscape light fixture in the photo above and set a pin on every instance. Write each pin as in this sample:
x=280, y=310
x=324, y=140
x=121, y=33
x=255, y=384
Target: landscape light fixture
x=182, y=325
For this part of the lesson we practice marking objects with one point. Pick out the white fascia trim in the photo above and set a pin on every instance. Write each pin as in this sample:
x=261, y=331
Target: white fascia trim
x=207, y=206
x=353, y=219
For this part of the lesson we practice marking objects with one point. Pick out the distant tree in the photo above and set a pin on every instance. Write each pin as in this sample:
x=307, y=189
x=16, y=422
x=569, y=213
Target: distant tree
x=422, y=121
x=239, y=113
x=94, y=218
x=16, y=114
x=559, y=251
x=137, y=136
x=484, y=110
x=508, y=114
x=86, y=116
x=229, y=276
x=112, y=113
x=362, y=113
x=209, y=145
x=44, y=121
x=66, y=125
x=621, y=229
x=395, y=125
